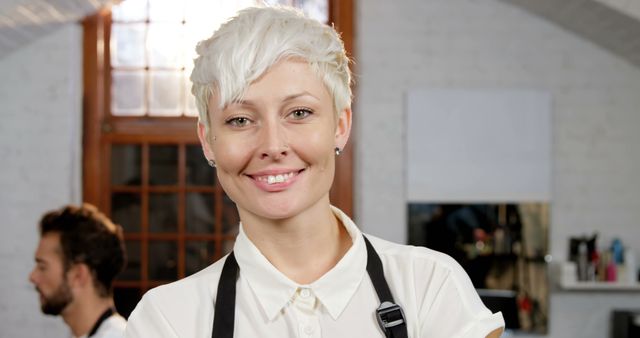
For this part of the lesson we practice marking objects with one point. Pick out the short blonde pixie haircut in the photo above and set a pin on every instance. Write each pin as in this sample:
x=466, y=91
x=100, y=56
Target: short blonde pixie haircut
x=244, y=48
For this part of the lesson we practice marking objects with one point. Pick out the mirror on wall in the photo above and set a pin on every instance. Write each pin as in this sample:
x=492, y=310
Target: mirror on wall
x=503, y=248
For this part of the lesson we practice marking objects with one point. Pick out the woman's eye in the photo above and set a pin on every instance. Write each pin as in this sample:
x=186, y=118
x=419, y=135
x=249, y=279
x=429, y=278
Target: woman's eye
x=300, y=114
x=238, y=121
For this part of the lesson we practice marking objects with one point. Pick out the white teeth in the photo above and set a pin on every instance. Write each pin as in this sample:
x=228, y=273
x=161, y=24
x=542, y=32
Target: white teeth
x=273, y=179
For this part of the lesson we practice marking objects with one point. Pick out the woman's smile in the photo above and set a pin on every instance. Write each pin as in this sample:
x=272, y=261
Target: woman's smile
x=275, y=180
x=274, y=147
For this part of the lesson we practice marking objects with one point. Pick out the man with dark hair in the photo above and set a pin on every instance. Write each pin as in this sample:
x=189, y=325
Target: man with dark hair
x=79, y=254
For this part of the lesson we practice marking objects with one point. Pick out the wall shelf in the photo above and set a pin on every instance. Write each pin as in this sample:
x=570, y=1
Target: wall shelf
x=600, y=286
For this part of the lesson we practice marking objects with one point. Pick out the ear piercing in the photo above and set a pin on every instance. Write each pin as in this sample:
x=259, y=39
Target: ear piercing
x=212, y=163
x=338, y=151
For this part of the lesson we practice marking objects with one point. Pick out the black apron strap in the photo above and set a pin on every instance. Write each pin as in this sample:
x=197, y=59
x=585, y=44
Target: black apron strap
x=105, y=315
x=390, y=315
x=224, y=315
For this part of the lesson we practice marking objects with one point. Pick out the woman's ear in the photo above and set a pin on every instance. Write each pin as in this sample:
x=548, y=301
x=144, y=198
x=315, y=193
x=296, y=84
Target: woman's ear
x=343, y=128
x=203, y=135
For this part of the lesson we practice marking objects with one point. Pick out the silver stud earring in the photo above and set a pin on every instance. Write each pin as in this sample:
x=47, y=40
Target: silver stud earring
x=212, y=163
x=338, y=151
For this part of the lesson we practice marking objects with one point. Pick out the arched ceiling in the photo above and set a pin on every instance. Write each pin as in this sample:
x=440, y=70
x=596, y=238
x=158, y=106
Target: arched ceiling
x=23, y=21
x=612, y=24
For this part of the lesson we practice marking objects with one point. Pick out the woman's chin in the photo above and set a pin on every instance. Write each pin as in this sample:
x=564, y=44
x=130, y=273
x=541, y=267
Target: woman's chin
x=277, y=210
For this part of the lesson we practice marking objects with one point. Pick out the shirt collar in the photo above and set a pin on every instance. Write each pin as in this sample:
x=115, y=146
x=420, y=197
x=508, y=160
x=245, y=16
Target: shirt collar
x=274, y=290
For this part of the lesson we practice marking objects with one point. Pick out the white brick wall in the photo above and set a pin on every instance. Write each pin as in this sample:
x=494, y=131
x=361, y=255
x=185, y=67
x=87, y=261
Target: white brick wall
x=40, y=107
x=490, y=44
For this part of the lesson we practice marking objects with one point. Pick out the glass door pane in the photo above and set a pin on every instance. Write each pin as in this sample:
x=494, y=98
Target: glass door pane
x=163, y=165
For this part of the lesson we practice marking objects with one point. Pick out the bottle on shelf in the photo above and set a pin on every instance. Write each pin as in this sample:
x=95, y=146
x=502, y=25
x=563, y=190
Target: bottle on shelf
x=583, y=262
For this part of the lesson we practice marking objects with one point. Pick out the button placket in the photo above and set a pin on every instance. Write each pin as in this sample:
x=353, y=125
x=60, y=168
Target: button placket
x=305, y=305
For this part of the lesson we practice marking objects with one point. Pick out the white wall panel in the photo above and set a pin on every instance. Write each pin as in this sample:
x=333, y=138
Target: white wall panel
x=466, y=145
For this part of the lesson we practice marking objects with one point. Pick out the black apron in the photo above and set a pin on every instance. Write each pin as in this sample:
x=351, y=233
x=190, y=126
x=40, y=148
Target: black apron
x=103, y=317
x=390, y=315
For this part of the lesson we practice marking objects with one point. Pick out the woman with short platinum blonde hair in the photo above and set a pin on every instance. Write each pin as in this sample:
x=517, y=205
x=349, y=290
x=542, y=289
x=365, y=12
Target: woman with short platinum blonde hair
x=273, y=92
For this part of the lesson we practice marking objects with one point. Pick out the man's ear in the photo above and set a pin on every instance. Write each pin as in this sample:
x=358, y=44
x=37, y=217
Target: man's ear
x=203, y=135
x=343, y=128
x=79, y=275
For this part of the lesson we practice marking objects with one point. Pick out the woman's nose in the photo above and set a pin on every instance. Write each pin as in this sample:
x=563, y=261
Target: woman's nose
x=274, y=142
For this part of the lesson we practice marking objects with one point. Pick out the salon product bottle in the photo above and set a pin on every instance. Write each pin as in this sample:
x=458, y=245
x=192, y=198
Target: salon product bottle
x=605, y=257
x=618, y=251
x=632, y=267
x=611, y=269
x=602, y=266
x=593, y=265
x=583, y=262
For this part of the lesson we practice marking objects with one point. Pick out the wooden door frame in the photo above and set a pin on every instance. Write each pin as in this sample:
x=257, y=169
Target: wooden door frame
x=96, y=83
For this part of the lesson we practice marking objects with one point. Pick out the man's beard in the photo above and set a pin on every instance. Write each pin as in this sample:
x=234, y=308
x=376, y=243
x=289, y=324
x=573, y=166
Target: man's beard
x=58, y=301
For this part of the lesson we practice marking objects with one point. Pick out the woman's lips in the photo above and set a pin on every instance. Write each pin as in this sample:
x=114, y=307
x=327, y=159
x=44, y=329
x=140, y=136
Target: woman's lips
x=275, y=180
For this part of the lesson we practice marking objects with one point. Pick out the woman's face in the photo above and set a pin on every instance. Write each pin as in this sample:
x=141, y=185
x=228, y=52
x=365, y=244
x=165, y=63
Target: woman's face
x=274, y=149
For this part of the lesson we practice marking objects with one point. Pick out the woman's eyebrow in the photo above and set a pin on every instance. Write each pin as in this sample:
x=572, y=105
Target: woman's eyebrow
x=251, y=103
x=295, y=96
x=242, y=102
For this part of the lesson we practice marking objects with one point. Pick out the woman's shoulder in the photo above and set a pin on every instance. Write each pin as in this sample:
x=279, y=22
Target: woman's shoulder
x=420, y=264
x=178, y=309
x=202, y=282
x=434, y=285
x=411, y=255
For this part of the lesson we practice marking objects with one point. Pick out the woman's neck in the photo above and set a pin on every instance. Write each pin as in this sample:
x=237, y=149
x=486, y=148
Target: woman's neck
x=304, y=247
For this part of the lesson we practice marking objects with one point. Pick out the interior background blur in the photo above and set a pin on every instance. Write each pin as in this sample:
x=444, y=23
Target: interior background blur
x=585, y=53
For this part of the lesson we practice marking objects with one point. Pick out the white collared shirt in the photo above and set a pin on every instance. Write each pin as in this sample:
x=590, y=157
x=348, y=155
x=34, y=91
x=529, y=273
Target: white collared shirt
x=435, y=293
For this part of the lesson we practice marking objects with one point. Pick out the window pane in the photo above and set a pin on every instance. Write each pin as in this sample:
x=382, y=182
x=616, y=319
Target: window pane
x=212, y=13
x=198, y=170
x=163, y=212
x=163, y=165
x=166, y=45
x=200, y=214
x=198, y=255
x=127, y=45
x=163, y=262
x=130, y=10
x=164, y=10
x=195, y=31
x=127, y=93
x=125, y=210
x=317, y=9
x=132, y=269
x=230, y=218
x=166, y=92
x=125, y=164
x=191, y=109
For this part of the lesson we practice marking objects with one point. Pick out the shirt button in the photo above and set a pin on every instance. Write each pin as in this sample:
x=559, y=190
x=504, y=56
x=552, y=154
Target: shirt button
x=305, y=293
x=308, y=329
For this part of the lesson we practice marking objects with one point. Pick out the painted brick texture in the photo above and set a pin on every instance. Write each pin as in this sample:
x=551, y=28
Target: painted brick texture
x=40, y=150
